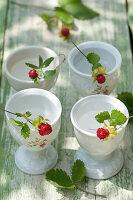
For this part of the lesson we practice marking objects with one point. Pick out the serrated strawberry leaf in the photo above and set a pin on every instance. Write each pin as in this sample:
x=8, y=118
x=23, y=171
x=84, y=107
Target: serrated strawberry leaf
x=15, y=122
x=77, y=9
x=95, y=66
x=49, y=74
x=117, y=118
x=48, y=61
x=32, y=66
x=93, y=58
x=25, y=131
x=63, y=15
x=78, y=171
x=102, y=116
x=59, y=178
x=127, y=99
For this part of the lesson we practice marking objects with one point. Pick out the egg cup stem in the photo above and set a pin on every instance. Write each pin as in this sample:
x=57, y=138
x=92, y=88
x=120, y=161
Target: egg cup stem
x=103, y=167
x=36, y=162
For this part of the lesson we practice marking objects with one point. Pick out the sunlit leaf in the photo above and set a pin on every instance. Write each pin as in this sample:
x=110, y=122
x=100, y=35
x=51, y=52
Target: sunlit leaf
x=78, y=171
x=15, y=122
x=77, y=9
x=63, y=15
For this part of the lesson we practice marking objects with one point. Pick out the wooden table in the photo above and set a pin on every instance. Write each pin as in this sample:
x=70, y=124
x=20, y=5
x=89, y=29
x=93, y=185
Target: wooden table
x=21, y=26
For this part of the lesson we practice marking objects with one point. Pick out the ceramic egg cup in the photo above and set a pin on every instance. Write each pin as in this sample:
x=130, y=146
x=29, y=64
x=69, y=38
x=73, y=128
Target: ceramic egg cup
x=35, y=155
x=102, y=159
x=17, y=72
x=81, y=69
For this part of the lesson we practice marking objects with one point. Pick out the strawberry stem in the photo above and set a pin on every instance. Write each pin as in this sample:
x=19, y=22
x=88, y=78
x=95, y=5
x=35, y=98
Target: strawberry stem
x=130, y=117
x=8, y=111
x=29, y=120
x=94, y=194
x=16, y=114
x=79, y=50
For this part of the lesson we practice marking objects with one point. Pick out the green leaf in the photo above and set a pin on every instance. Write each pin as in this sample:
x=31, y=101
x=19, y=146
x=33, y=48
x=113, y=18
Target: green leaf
x=49, y=74
x=25, y=131
x=35, y=80
x=93, y=58
x=63, y=15
x=65, y=2
x=15, y=122
x=47, y=18
x=77, y=9
x=28, y=113
x=40, y=62
x=19, y=114
x=78, y=171
x=59, y=178
x=127, y=99
x=40, y=118
x=48, y=61
x=32, y=66
x=95, y=66
x=102, y=116
x=117, y=118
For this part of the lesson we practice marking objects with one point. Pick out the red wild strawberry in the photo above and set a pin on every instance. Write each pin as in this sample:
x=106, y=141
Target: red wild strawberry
x=101, y=79
x=33, y=73
x=65, y=32
x=45, y=129
x=102, y=133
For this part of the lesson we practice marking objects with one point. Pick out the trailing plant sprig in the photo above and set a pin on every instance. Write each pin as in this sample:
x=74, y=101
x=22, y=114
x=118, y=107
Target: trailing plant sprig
x=114, y=119
x=61, y=179
x=39, y=123
x=98, y=71
x=63, y=16
x=37, y=71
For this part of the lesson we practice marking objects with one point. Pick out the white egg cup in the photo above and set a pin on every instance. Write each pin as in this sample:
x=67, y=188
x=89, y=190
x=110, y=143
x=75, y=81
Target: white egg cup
x=17, y=72
x=103, y=159
x=35, y=155
x=81, y=69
